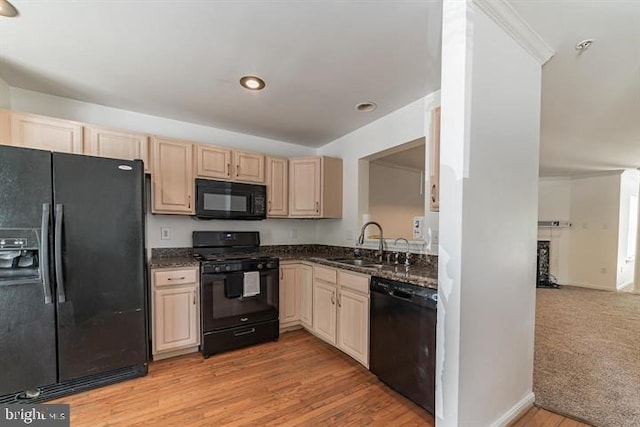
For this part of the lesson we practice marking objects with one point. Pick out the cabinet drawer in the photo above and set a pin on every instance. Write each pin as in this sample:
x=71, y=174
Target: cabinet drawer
x=325, y=274
x=174, y=277
x=353, y=281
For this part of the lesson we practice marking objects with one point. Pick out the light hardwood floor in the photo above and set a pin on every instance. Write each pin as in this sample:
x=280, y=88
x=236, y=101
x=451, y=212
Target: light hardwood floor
x=297, y=381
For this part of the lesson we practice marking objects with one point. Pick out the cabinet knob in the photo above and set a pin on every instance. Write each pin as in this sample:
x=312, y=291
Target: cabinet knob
x=317, y=207
x=333, y=298
x=433, y=193
x=237, y=170
x=228, y=169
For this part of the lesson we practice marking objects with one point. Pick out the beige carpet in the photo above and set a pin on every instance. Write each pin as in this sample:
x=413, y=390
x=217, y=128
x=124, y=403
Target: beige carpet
x=587, y=355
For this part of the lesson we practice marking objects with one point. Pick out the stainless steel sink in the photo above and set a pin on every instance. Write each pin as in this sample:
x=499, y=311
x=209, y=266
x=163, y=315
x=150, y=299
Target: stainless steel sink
x=357, y=262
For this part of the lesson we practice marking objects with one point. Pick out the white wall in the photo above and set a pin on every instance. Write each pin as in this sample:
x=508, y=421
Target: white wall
x=629, y=184
x=406, y=124
x=273, y=231
x=554, y=199
x=5, y=95
x=396, y=196
x=595, y=214
x=488, y=214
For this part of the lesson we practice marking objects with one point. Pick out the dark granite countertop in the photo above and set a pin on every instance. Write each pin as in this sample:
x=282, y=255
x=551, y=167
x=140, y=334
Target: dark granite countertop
x=416, y=275
x=422, y=272
x=174, y=261
x=421, y=275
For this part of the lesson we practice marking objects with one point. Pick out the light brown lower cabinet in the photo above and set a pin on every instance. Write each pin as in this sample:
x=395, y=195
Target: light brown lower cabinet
x=305, y=281
x=175, y=308
x=289, y=305
x=341, y=311
x=296, y=296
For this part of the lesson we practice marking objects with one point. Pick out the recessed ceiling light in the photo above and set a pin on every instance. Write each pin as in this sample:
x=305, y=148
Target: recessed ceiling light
x=584, y=44
x=252, y=83
x=366, y=106
x=7, y=9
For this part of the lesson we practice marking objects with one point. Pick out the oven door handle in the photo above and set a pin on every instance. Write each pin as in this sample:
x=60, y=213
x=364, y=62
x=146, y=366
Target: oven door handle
x=245, y=332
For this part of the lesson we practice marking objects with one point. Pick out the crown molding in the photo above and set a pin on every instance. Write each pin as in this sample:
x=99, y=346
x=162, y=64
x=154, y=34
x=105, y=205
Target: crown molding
x=503, y=14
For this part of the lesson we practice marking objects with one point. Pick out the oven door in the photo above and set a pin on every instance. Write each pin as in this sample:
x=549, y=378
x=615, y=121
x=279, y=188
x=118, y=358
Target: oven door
x=229, y=200
x=222, y=307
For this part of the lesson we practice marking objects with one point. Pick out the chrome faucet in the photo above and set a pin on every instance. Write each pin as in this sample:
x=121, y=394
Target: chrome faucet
x=407, y=254
x=380, y=252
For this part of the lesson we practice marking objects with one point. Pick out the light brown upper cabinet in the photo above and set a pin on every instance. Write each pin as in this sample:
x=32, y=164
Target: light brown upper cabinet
x=315, y=187
x=249, y=166
x=434, y=161
x=277, y=187
x=115, y=144
x=213, y=162
x=172, y=176
x=44, y=133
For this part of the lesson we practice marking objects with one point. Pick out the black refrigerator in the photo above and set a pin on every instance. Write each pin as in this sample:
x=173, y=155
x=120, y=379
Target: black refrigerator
x=72, y=273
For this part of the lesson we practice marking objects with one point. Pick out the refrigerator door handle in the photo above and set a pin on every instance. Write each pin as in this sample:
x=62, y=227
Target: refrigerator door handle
x=44, y=253
x=58, y=253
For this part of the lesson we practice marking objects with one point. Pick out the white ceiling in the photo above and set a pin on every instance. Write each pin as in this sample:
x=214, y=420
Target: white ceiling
x=590, y=100
x=183, y=59
x=412, y=158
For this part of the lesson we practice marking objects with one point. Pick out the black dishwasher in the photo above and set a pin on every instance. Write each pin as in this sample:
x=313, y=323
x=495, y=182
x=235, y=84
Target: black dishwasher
x=403, y=338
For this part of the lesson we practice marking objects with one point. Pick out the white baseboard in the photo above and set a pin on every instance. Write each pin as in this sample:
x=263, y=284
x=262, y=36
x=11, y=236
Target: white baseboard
x=518, y=410
x=590, y=286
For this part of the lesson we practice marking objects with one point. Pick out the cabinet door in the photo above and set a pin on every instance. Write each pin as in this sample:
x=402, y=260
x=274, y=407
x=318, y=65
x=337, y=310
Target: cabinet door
x=175, y=318
x=45, y=133
x=289, y=295
x=353, y=325
x=213, y=162
x=304, y=187
x=305, y=284
x=249, y=167
x=172, y=177
x=116, y=145
x=5, y=127
x=434, y=162
x=277, y=187
x=324, y=311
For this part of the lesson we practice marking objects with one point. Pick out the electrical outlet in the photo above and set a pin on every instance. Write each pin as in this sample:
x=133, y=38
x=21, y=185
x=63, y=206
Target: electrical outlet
x=165, y=233
x=435, y=238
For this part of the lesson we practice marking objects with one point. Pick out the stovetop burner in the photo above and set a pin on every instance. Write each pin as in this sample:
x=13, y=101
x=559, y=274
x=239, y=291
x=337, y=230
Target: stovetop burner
x=231, y=250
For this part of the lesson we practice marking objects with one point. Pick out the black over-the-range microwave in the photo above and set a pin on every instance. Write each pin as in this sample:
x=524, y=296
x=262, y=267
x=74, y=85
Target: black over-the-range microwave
x=230, y=200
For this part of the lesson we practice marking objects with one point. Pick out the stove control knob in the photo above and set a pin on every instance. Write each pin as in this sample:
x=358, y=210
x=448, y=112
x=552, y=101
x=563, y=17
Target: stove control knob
x=260, y=266
x=227, y=267
x=271, y=265
x=217, y=269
